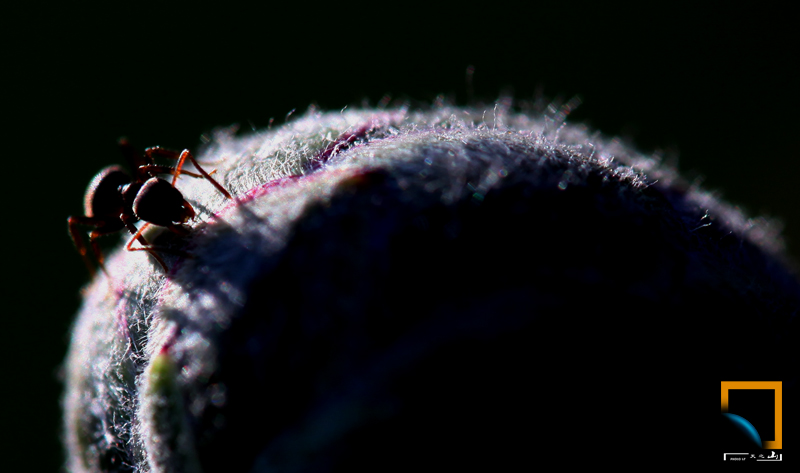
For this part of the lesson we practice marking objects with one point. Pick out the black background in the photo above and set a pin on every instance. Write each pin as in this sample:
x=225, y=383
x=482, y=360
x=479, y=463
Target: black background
x=715, y=85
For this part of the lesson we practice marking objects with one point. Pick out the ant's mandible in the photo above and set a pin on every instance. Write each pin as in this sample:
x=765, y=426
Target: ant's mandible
x=115, y=201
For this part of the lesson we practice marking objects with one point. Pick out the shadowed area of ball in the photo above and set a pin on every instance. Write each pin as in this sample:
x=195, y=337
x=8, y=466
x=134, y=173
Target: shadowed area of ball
x=399, y=290
x=737, y=434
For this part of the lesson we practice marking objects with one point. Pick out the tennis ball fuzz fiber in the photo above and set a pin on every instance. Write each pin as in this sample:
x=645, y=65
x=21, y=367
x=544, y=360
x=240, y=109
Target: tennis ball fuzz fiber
x=401, y=290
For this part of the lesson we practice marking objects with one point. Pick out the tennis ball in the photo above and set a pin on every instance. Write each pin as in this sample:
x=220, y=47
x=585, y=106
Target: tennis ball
x=400, y=289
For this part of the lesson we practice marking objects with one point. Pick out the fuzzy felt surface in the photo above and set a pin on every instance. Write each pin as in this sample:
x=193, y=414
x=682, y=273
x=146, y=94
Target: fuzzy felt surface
x=397, y=285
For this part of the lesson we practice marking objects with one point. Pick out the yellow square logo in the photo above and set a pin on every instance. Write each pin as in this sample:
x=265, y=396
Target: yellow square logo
x=776, y=386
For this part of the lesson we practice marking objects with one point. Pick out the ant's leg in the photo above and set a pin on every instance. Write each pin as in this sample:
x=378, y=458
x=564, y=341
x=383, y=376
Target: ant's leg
x=151, y=153
x=158, y=169
x=152, y=249
x=77, y=239
x=157, y=151
x=137, y=236
x=188, y=154
x=80, y=244
x=96, y=248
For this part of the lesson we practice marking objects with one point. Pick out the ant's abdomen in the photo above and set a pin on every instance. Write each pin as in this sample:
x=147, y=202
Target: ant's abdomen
x=103, y=197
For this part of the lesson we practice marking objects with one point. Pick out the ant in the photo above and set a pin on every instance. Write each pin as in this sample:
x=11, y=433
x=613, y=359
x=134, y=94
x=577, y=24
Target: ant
x=115, y=201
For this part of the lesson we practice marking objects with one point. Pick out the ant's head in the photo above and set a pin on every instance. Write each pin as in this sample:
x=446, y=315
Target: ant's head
x=161, y=204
